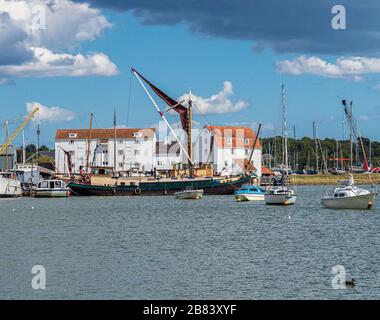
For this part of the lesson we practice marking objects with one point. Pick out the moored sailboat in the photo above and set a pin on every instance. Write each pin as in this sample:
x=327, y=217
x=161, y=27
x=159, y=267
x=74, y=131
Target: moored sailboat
x=282, y=194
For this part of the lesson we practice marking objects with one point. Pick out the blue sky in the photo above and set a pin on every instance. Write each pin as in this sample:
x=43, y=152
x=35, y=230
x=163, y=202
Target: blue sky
x=176, y=58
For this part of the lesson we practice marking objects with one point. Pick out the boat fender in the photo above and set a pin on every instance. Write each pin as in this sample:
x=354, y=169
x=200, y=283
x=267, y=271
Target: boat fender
x=114, y=190
x=137, y=191
x=165, y=192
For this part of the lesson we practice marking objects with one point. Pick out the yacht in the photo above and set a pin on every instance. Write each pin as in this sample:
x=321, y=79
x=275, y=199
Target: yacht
x=349, y=196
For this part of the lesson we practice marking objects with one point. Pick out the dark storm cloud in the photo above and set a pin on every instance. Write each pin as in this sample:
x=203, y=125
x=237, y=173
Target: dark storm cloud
x=294, y=26
x=12, y=42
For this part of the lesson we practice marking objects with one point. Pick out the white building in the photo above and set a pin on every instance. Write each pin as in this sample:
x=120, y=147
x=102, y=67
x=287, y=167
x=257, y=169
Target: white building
x=135, y=148
x=228, y=148
x=167, y=154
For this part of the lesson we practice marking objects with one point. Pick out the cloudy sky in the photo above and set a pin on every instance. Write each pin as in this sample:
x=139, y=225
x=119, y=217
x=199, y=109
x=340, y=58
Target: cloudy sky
x=73, y=57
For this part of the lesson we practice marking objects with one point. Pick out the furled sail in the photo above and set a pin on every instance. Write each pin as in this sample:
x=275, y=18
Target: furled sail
x=169, y=101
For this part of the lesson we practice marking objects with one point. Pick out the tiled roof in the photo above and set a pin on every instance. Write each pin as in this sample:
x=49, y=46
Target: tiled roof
x=234, y=136
x=97, y=134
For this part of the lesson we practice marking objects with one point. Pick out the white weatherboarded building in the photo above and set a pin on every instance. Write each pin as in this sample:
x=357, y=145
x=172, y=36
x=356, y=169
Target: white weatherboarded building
x=135, y=148
x=228, y=148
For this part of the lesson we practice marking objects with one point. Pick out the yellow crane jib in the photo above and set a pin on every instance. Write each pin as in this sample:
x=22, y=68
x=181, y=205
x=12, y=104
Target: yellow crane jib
x=4, y=147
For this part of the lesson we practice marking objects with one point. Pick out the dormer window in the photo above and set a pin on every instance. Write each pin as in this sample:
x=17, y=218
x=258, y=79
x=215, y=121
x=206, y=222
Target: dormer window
x=137, y=135
x=72, y=135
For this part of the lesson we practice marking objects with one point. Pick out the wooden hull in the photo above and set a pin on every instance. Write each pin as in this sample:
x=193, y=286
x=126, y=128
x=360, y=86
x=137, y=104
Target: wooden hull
x=189, y=195
x=209, y=186
x=361, y=202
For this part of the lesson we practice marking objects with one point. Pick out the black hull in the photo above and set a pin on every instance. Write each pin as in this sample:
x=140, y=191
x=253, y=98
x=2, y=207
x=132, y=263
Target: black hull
x=210, y=187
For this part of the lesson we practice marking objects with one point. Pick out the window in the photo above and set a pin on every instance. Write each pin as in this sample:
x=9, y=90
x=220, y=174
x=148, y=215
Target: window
x=137, y=141
x=232, y=151
x=120, y=164
x=72, y=153
x=137, y=152
x=246, y=140
x=226, y=163
x=72, y=135
x=159, y=163
x=120, y=142
x=246, y=151
x=206, y=151
x=105, y=151
x=229, y=140
x=71, y=141
x=146, y=138
x=120, y=152
x=206, y=140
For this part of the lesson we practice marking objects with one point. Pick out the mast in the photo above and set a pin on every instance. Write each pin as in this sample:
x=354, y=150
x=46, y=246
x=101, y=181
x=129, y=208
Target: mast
x=254, y=145
x=283, y=124
x=114, y=141
x=285, y=134
x=189, y=135
x=173, y=106
x=316, y=147
x=23, y=147
x=6, y=146
x=38, y=141
x=351, y=147
x=89, y=144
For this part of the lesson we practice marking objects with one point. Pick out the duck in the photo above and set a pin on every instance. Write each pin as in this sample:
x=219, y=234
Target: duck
x=350, y=284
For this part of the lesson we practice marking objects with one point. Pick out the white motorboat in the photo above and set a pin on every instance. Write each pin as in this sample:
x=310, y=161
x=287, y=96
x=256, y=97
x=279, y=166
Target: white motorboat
x=10, y=187
x=51, y=189
x=281, y=195
x=189, y=194
x=249, y=193
x=349, y=196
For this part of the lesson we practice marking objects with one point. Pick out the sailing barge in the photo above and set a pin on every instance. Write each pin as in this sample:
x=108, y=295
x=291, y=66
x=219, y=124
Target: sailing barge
x=104, y=181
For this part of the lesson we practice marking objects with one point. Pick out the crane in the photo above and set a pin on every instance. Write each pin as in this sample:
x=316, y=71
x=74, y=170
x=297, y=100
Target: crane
x=4, y=147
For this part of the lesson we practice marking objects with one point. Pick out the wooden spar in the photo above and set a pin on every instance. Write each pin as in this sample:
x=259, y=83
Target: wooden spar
x=254, y=145
x=114, y=142
x=6, y=146
x=89, y=144
x=189, y=135
x=162, y=116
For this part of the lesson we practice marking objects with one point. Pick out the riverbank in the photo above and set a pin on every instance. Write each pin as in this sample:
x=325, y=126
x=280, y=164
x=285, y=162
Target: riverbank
x=328, y=179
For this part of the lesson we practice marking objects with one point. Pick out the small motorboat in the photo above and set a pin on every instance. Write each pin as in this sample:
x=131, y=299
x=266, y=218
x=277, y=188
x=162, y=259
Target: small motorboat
x=249, y=193
x=10, y=187
x=280, y=195
x=52, y=189
x=349, y=196
x=189, y=194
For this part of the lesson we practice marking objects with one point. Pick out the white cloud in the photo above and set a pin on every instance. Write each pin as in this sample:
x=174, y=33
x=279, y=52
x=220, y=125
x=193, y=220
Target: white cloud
x=49, y=64
x=350, y=67
x=30, y=51
x=217, y=103
x=50, y=114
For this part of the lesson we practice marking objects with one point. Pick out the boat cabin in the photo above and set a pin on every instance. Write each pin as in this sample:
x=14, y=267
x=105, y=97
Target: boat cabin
x=52, y=184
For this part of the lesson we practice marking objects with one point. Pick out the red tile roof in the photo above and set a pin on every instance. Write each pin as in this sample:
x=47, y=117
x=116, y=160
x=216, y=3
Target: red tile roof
x=98, y=134
x=234, y=136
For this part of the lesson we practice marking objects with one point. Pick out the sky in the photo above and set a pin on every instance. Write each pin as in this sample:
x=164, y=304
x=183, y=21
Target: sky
x=74, y=58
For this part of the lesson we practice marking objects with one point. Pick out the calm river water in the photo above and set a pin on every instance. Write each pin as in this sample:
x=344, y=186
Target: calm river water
x=163, y=248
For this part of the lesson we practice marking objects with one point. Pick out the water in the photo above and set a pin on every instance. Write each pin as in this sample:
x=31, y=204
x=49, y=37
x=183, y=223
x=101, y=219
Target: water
x=163, y=248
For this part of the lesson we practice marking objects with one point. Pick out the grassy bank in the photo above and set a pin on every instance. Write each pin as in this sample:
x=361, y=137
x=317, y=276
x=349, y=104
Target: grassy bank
x=328, y=179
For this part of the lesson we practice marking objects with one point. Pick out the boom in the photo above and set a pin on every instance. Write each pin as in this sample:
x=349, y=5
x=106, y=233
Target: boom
x=4, y=147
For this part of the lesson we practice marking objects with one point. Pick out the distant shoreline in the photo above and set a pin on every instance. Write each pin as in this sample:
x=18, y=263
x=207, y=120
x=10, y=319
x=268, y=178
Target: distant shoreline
x=328, y=179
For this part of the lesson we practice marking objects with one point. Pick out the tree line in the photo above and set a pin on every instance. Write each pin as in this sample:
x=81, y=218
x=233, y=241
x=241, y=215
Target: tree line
x=307, y=153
